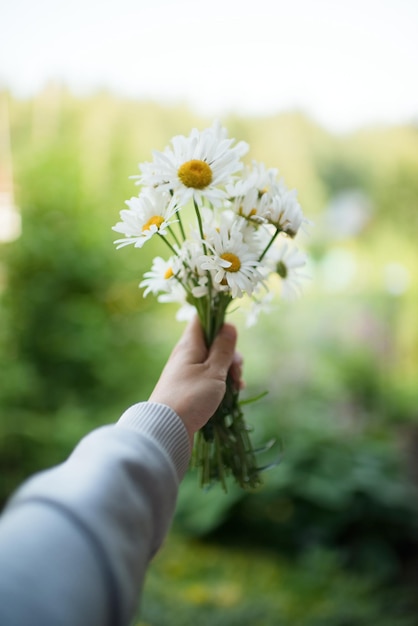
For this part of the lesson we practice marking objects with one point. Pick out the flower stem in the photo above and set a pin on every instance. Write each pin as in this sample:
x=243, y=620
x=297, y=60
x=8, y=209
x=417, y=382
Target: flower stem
x=223, y=446
x=173, y=234
x=270, y=243
x=183, y=234
x=200, y=224
x=172, y=248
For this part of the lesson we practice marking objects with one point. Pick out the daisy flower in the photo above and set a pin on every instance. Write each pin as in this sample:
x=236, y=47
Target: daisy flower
x=160, y=276
x=259, y=304
x=195, y=167
x=284, y=211
x=286, y=262
x=247, y=204
x=261, y=197
x=258, y=177
x=229, y=249
x=178, y=295
x=192, y=276
x=232, y=262
x=148, y=214
x=227, y=220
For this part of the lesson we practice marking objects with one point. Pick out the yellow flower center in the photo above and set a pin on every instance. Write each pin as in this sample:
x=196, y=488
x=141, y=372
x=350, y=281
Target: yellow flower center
x=155, y=220
x=195, y=173
x=168, y=273
x=233, y=259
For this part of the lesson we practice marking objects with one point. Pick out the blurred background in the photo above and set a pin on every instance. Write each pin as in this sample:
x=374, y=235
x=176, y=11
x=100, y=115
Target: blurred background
x=327, y=93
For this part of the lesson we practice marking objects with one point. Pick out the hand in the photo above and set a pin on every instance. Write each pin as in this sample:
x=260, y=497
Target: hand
x=193, y=381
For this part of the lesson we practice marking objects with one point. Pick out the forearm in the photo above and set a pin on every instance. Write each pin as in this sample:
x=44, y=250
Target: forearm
x=75, y=540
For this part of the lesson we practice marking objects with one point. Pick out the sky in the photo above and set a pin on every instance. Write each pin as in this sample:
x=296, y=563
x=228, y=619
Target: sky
x=346, y=64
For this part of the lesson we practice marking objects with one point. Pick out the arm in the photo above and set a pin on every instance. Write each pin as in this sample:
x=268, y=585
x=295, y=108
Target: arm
x=75, y=541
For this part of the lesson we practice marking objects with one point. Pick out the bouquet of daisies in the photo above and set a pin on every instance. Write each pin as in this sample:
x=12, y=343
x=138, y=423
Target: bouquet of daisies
x=226, y=229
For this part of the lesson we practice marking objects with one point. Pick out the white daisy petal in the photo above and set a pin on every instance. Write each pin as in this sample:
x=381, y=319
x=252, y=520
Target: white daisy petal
x=148, y=214
x=231, y=248
x=197, y=167
x=286, y=262
x=232, y=262
x=261, y=197
x=160, y=277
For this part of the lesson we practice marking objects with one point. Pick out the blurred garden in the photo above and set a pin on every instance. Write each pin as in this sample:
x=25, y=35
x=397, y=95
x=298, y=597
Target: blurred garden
x=331, y=537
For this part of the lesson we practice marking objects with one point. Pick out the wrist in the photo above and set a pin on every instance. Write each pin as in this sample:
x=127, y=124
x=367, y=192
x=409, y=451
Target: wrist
x=161, y=423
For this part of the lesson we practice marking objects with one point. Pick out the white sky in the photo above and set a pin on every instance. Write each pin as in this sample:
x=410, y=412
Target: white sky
x=346, y=63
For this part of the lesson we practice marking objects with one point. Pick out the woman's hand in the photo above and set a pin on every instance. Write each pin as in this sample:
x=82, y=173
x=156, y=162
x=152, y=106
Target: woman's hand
x=193, y=382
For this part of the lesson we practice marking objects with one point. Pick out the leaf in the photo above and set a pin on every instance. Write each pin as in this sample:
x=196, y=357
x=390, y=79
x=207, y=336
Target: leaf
x=253, y=398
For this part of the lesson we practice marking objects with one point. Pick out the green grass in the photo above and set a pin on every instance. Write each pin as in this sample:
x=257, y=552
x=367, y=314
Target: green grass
x=194, y=582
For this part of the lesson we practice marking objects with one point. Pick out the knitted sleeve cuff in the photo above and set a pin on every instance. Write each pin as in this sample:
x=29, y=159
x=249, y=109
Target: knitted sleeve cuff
x=164, y=426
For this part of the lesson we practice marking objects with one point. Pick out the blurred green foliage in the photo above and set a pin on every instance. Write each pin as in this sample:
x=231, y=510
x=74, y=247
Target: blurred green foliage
x=193, y=582
x=331, y=537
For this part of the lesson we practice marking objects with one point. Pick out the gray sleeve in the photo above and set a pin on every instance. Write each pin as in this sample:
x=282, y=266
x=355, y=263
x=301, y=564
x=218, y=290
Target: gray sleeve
x=75, y=540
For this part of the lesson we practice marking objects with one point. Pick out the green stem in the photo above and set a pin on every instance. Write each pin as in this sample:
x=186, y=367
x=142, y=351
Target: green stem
x=183, y=234
x=270, y=243
x=172, y=248
x=174, y=236
x=200, y=224
x=206, y=320
x=219, y=459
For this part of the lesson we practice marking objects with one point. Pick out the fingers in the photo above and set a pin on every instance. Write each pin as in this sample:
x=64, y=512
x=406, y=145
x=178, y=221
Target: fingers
x=193, y=380
x=235, y=371
x=221, y=353
x=191, y=349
